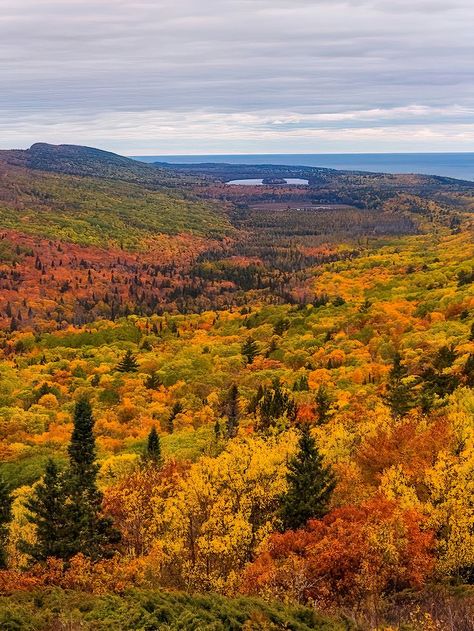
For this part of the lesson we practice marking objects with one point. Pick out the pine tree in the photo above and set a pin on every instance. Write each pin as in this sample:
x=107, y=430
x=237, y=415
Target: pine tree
x=399, y=395
x=152, y=453
x=89, y=531
x=230, y=409
x=47, y=508
x=249, y=350
x=445, y=357
x=310, y=485
x=128, y=363
x=67, y=508
x=275, y=404
x=81, y=450
x=175, y=410
x=153, y=381
x=6, y=501
x=301, y=384
x=323, y=405
x=255, y=400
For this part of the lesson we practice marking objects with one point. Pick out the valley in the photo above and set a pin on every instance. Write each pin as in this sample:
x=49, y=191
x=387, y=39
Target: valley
x=272, y=387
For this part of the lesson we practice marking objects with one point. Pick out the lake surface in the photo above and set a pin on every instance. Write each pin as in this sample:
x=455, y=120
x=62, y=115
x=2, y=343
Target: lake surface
x=457, y=165
x=258, y=182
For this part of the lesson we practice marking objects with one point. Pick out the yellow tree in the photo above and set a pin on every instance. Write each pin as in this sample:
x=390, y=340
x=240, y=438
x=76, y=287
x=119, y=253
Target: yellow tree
x=223, y=509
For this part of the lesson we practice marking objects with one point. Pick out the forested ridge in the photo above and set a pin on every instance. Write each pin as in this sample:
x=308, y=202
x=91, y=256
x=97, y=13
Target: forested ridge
x=230, y=409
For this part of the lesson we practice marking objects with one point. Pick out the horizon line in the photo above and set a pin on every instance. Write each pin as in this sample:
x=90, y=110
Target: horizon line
x=335, y=153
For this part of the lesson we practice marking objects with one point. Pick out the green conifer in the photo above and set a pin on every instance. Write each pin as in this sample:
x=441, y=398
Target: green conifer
x=230, y=410
x=152, y=453
x=249, y=350
x=399, y=396
x=128, y=363
x=90, y=533
x=153, y=381
x=47, y=511
x=67, y=508
x=323, y=405
x=310, y=485
x=175, y=410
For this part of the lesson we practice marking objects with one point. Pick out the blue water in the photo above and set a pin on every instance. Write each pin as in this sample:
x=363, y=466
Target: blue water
x=457, y=165
x=259, y=182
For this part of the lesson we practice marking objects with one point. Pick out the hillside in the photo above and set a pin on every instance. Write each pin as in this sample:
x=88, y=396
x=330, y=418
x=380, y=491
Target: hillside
x=93, y=211
x=85, y=245
x=88, y=161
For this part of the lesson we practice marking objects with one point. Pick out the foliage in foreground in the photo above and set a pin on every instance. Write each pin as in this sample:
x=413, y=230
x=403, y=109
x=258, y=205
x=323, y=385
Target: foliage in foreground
x=147, y=610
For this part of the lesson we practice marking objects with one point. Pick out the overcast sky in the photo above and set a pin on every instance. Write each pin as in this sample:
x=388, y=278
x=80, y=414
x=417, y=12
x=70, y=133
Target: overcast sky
x=238, y=76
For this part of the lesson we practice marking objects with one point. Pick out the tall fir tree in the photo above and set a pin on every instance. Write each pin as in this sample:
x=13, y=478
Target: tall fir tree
x=6, y=502
x=48, y=512
x=249, y=350
x=152, y=453
x=274, y=404
x=128, y=363
x=153, y=381
x=67, y=508
x=90, y=532
x=230, y=409
x=310, y=485
x=323, y=405
x=81, y=450
x=175, y=410
x=399, y=395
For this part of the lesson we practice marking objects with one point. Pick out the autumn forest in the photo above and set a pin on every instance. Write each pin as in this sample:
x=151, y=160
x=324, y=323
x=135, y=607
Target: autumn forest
x=234, y=407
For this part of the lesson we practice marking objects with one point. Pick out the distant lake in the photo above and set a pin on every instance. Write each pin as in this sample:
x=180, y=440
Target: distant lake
x=457, y=165
x=259, y=182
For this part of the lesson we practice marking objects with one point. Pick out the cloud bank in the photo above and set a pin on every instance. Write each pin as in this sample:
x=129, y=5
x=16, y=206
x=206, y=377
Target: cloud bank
x=223, y=76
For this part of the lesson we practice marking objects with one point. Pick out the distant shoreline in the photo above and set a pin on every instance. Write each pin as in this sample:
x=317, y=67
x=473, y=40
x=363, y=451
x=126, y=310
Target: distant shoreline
x=456, y=165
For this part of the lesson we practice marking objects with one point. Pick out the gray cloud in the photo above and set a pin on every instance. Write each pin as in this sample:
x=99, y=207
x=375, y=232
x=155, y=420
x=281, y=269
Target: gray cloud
x=198, y=75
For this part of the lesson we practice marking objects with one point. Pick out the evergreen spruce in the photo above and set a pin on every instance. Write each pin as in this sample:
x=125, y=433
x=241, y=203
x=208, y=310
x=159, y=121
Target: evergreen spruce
x=399, y=396
x=67, y=508
x=323, y=405
x=152, y=453
x=153, y=381
x=128, y=363
x=274, y=404
x=281, y=326
x=445, y=357
x=437, y=382
x=230, y=409
x=175, y=410
x=5, y=518
x=255, y=400
x=81, y=450
x=48, y=508
x=301, y=384
x=89, y=531
x=249, y=350
x=310, y=485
